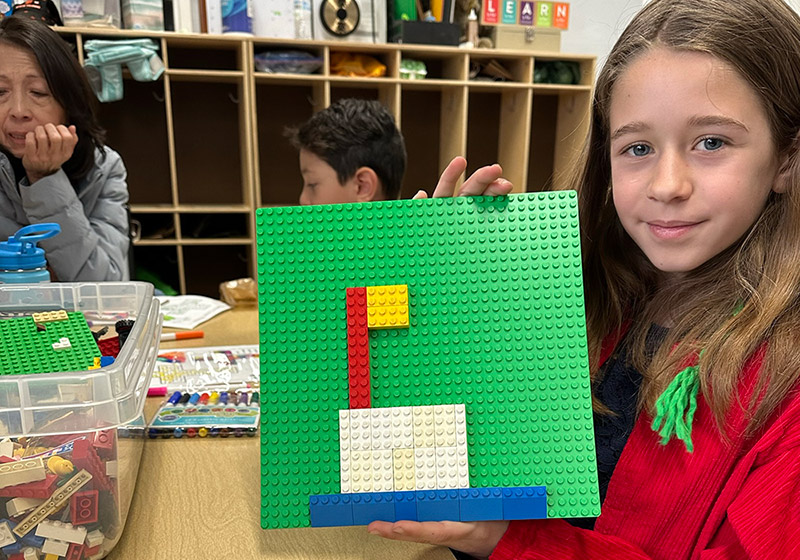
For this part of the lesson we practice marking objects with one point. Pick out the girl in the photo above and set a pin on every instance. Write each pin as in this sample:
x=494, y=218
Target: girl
x=53, y=165
x=691, y=235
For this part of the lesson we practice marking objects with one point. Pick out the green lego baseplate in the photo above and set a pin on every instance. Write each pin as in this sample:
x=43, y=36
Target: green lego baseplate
x=495, y=295
x=27, y=346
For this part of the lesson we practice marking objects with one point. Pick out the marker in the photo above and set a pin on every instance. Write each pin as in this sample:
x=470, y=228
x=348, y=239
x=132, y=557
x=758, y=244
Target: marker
x=213, y=398
x=254, y=399
x=243, y=399
x=175, y=397
x=184, y=398
x=157, y=392
x=181, y=335
x=223, y=398
x=194, y=398
x=203, y=399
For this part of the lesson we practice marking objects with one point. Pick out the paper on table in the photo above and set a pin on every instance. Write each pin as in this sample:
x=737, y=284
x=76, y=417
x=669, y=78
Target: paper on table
x=186, y=312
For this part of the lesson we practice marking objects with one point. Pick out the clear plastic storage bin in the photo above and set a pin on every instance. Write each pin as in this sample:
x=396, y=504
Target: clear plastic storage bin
x=70, y=443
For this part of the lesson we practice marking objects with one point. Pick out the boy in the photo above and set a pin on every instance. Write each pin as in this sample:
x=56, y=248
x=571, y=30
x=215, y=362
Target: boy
x=350, y=152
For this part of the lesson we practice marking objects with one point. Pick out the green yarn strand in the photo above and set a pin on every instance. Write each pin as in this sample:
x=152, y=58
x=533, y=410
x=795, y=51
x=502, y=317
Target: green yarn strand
x=676, y=406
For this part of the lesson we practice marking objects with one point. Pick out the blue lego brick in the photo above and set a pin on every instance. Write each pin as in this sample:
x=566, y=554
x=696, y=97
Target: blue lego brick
x=331, y=511
x=405, y=506
x=106, y=361
x=528, y=502
x=373, y=506
x=438, y=505
x=481, y=504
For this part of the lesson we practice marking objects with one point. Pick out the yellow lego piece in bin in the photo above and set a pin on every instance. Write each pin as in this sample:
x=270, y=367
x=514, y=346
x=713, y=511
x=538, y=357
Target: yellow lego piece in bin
x=49, y=316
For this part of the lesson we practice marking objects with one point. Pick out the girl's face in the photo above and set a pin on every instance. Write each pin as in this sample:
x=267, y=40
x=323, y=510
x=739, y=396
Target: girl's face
x=692, y=157
x=25, y=98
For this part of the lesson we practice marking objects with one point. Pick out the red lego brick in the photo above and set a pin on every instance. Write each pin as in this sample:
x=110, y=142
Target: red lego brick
x=83, y=507
x=105, y=442
x=89, y=552
x=358, y=348
x=109, y=346
x=75, y=552
x=84, y=456
x=39, y=489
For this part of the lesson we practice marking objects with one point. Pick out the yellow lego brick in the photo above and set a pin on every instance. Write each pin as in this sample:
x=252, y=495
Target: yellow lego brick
x=387, y=317
x=48, y=316
x=387, y=296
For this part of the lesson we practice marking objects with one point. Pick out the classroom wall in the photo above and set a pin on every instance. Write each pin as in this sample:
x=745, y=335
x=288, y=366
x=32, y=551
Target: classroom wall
x=595, y=26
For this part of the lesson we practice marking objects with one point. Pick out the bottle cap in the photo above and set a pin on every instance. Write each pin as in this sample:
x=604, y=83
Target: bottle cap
x=20, y=251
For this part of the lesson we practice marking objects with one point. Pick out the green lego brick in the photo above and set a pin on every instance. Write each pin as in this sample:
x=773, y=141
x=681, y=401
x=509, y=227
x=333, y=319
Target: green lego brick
x=496, y=323
x=26, y=348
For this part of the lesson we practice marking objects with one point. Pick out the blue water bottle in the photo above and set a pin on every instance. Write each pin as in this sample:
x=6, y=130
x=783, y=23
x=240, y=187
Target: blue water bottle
x=21, y=261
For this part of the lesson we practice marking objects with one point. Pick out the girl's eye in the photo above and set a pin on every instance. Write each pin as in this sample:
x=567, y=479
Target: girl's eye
x=39, y=93
x=711, y=144
x=639, y=150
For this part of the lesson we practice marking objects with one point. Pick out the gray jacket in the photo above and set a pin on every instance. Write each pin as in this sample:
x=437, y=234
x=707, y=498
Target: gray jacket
x=93, y=243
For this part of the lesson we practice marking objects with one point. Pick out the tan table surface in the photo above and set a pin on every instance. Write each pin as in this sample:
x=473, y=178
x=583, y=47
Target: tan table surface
x=199, y=498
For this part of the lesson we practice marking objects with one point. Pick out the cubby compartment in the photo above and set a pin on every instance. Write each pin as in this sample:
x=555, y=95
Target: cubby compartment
x=207, y=266
x=420, y=122
x=439, y=65
x=278, y=107
x=208, y=142
x=200, y=55
x=137, y=128
x=158, y=265
x=491, y=67
x=217, y=225
x=388, y=58
x=152, y=227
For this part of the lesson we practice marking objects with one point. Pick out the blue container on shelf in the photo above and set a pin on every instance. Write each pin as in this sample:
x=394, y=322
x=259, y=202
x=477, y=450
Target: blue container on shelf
x=21, y=261
x=237, y=16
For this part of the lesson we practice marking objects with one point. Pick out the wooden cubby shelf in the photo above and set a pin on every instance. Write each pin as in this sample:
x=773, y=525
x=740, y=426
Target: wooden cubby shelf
x=204, y=144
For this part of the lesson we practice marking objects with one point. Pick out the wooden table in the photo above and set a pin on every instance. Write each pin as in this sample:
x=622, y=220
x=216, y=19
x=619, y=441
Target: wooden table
x=200, y=498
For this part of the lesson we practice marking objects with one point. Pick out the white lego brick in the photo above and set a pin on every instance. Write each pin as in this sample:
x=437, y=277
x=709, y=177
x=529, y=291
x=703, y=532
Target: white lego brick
x=382, y=471
x=463, y=466
x=425, y=468
x=403, y=463
x=344, y=425
x=30, y=554
x=20, y=472
x=6, y=536
x=423, y=427
x=360, y=430
x=344, y=471
x=444, y=420
x=381, y=421
x=361, y=471
x=94, y=538
x=7, y=448
x=62, y=344
x=447, y=468
x=402, y=427
x=461, y=425
x=57, y=530
x=52, y=546
x=112, y=469
x=18, y=506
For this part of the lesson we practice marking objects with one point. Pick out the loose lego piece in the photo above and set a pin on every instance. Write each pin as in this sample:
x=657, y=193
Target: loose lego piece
x=6, y=536
x=52, y=504
x=49, y=316
x=21, y=472
x=94, y=538
x=62, y=344
x=59, y=531
x=17, y=506
x=6, y=448
x=52, y=546
x=83, y=507
x=39, y=489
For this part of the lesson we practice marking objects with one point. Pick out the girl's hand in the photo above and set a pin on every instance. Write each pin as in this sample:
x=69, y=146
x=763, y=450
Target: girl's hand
x=476, y=538
x=47, y=148
x=485, y=181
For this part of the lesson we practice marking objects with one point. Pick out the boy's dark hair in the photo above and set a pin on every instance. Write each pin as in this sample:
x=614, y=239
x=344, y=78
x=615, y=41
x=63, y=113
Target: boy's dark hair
x=354, y=133
x=68, y=85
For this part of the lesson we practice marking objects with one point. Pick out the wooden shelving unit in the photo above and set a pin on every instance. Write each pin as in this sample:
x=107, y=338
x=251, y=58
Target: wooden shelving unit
x=204, y=144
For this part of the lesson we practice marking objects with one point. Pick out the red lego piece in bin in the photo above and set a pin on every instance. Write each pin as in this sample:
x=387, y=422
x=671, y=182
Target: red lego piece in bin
x=83, y=507
x=40, y=489
x=109, y=346
x=84, y=456
x=89, y=552
x=75, y=552
x=17, y=556
x=104, y=442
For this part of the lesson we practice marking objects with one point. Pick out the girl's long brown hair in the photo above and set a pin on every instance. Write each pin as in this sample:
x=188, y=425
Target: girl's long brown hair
x=761, y=40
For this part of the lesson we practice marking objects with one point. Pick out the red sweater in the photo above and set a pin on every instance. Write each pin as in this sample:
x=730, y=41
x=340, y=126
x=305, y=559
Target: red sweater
x=722, y=502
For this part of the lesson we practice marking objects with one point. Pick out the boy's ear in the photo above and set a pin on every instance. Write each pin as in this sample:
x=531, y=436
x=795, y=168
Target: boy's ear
x=367, y=183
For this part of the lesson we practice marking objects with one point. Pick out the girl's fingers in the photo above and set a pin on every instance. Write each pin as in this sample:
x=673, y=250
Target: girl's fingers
x=480, y=182
x=477, y=539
